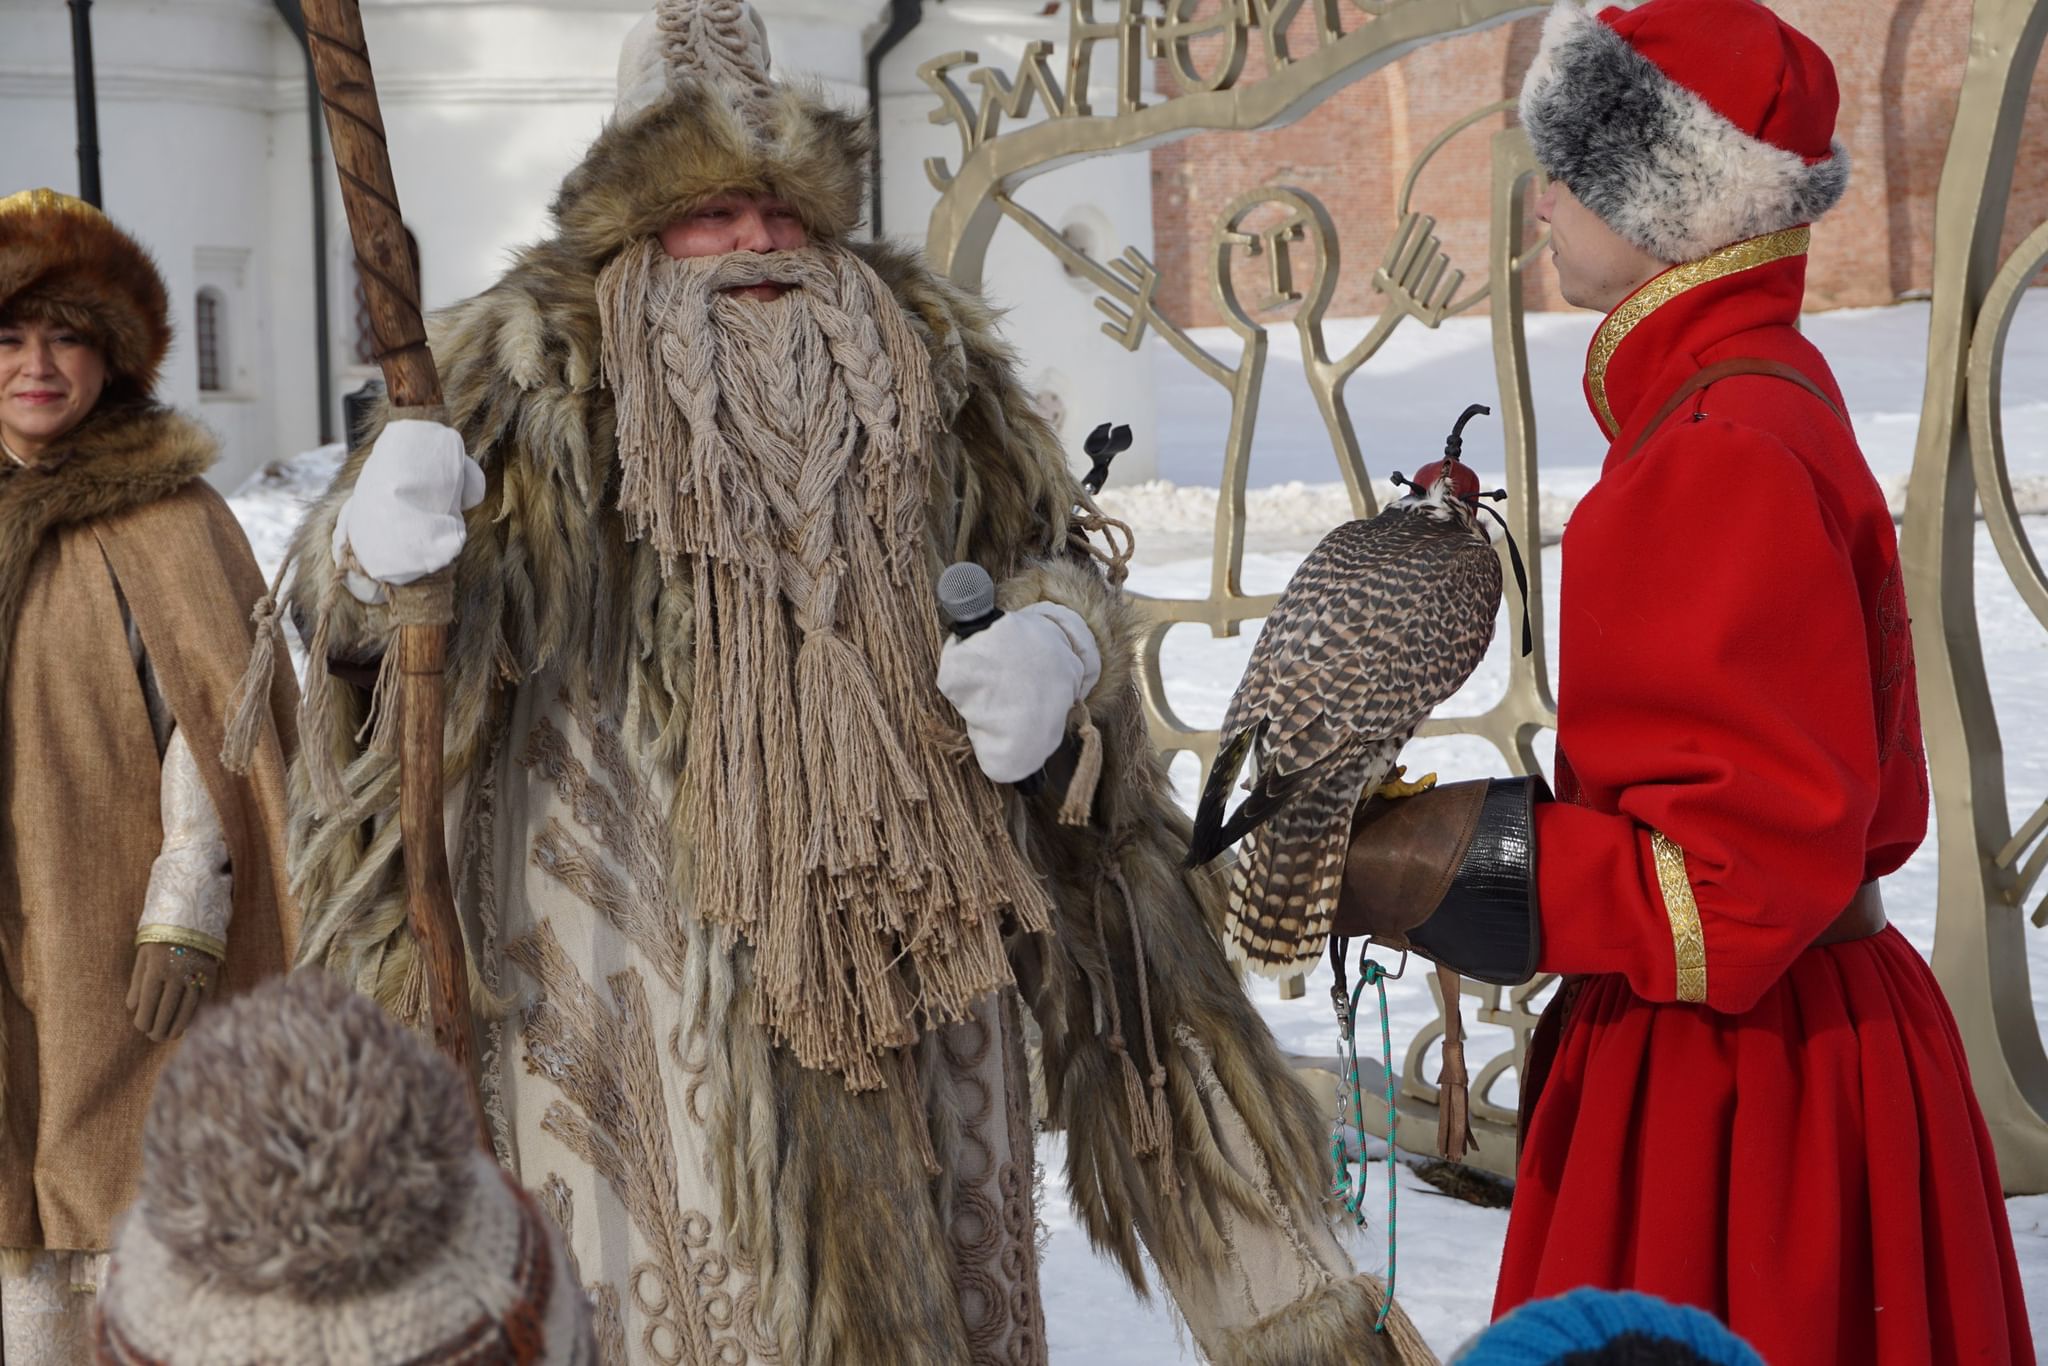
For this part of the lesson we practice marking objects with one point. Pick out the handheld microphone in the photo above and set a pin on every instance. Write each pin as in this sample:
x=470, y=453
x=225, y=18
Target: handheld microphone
x=967, y=601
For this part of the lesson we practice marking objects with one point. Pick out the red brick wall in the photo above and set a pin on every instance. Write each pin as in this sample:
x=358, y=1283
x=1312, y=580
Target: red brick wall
x=1899, y=64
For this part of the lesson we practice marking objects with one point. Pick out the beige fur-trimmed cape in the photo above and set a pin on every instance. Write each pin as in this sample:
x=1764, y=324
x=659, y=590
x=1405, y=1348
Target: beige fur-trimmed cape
x=115, y=524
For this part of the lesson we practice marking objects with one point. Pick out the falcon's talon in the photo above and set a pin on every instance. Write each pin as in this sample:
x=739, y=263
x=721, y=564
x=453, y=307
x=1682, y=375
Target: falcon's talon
x=1397, y=787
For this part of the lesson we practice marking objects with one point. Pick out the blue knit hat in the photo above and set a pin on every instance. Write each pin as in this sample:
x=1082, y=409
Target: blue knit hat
x=1632, y=1327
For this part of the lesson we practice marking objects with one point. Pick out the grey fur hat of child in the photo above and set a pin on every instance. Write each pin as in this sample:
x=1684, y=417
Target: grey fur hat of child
x=312, y=1192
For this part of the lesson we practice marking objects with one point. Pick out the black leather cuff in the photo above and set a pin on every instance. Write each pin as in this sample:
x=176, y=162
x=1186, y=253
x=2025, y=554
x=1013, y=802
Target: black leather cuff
x=1487, y=927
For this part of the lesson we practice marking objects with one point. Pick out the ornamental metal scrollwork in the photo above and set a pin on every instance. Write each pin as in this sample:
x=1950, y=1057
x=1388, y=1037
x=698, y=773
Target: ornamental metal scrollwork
x=1016, y=125
x=1993, y=478
x=1985, y=871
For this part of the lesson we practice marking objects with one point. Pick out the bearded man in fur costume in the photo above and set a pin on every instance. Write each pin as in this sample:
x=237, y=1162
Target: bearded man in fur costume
x=760, y=926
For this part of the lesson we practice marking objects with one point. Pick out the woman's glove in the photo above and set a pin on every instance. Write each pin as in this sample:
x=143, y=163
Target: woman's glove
x=403, y=521
x=169, y=984
x=1015, y=681
x=191, y=900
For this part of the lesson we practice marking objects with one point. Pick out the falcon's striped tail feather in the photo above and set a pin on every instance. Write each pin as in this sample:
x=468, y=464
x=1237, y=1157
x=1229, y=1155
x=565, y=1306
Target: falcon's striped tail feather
x=1206, y=841
x=1268, y=797
x=1289, y=872
x=1283, y=894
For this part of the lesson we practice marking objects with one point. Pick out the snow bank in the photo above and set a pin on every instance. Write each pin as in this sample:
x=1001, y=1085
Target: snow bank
x=271, y=502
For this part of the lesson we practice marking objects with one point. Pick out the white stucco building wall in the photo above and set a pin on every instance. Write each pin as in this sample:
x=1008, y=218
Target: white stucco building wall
x=204, y=157
x=186, y=92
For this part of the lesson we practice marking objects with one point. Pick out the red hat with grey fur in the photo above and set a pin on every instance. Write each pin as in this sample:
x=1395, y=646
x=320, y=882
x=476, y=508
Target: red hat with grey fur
x=1686, y=125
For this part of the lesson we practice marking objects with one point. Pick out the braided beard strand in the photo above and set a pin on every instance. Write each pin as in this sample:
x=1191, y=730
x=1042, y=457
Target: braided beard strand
x=779, y=452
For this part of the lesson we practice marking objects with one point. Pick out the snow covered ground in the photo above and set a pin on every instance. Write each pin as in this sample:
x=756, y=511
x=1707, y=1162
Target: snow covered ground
x=1403, y=403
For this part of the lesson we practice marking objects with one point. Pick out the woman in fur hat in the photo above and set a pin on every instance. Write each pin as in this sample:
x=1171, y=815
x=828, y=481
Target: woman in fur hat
x=766, y=920
x=138, y=878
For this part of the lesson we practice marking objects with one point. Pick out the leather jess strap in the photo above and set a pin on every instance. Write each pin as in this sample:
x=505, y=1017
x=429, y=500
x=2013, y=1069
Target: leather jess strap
x=1863, y=917
x=1726, y=369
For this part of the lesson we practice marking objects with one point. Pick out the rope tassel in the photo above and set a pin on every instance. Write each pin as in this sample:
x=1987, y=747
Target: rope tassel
x=1080, y=802
x=1454, y=1098
x=247, y=705
x=1151, y=1114
x=779, y=453
x=250, y=701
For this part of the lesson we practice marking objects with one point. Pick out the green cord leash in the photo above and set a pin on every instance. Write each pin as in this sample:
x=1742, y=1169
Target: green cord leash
x=1370, y=973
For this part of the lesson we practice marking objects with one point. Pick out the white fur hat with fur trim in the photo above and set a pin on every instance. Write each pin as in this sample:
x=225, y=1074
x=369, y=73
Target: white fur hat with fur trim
x=1686, y=124
x=720, y=41
x=699, y=115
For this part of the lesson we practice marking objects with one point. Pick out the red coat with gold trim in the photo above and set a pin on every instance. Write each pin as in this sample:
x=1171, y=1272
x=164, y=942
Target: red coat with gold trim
x=1781, y=1133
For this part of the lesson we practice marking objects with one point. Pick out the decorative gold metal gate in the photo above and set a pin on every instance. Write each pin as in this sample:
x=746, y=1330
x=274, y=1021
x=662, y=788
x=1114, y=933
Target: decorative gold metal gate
x=1985, y=871
x=1022, y=124
x=1289, y=238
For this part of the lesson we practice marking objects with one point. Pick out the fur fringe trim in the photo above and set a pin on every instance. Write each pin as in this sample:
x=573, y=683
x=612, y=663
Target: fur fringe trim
x=1653, y=159
x=849, y=1156
x=1135, y=1000
x=646, y=171
x=1333, y=1328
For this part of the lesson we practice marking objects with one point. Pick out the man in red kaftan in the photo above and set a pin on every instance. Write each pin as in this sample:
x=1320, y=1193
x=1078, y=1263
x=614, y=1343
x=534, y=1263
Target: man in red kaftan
x=1749, y=1095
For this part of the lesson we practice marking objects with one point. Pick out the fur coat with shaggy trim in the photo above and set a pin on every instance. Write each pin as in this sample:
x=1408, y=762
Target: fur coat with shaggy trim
x=1184, y=1127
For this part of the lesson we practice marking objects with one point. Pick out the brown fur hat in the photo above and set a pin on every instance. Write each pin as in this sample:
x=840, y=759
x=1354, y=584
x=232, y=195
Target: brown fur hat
x=62, y=261
x=705, y=136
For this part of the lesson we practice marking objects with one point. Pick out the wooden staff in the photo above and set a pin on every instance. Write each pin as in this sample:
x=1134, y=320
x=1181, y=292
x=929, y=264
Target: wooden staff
x=341, y=65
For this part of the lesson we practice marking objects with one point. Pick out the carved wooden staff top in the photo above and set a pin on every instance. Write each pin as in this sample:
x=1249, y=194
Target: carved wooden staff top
x=341, y=64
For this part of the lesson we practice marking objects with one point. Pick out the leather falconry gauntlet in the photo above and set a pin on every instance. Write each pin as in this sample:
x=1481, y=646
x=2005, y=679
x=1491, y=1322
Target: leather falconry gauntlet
x=1451, y=874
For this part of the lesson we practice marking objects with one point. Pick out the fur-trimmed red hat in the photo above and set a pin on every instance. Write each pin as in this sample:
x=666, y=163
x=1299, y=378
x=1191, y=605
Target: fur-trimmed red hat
x=1686, y=124
x=62, y=261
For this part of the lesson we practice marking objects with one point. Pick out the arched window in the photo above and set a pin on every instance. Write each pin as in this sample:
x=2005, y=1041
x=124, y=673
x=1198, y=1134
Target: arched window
x=209, y=332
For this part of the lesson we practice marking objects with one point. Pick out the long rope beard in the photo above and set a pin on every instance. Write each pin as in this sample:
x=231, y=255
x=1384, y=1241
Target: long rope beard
x=779, y=451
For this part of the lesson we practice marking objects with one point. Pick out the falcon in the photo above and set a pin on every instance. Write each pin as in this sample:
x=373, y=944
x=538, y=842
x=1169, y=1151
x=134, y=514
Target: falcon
x=1385, y=619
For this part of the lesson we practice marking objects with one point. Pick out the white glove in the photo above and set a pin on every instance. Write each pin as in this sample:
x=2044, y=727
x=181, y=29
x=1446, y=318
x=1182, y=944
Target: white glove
x=1014, y=682
x=403, y=521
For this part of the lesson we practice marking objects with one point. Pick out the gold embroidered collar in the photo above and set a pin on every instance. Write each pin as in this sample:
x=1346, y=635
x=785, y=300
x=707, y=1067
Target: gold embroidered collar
x=1729, y=260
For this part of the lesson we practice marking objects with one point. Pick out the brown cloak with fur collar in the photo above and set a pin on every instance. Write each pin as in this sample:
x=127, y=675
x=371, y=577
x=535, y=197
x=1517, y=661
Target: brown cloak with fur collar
x=117, y=515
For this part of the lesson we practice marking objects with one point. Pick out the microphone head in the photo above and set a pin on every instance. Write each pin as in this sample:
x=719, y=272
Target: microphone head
x=966, y=592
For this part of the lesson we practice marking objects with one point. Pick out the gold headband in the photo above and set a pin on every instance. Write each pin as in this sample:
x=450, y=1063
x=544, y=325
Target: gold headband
x=47, y=201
